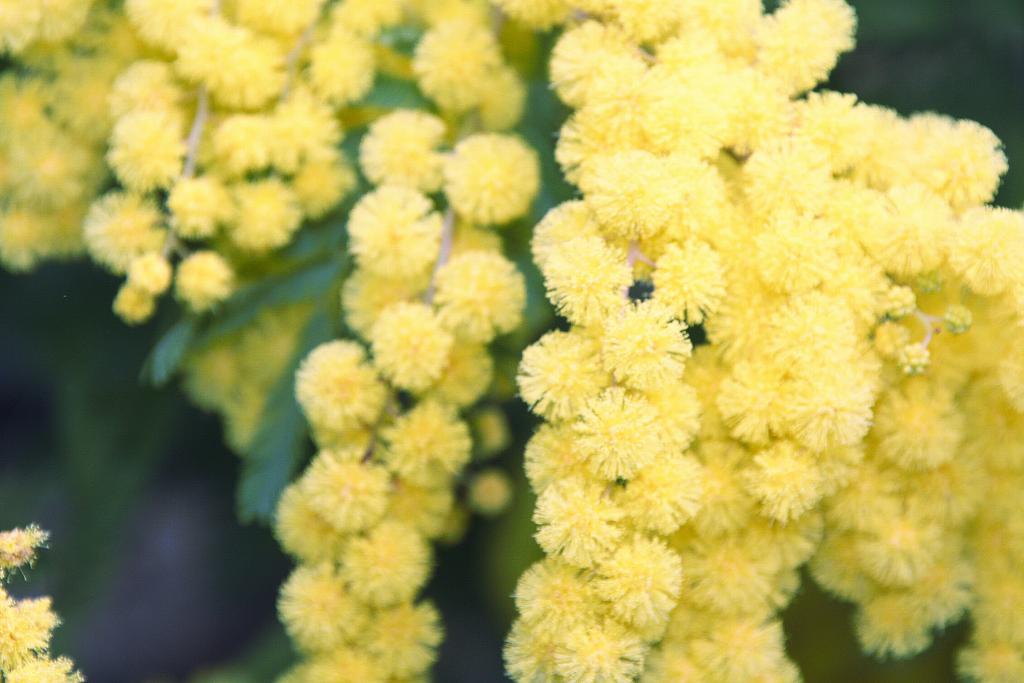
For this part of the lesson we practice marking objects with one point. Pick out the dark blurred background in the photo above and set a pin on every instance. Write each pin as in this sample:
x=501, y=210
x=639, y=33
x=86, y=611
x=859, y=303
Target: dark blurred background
x=153, y=575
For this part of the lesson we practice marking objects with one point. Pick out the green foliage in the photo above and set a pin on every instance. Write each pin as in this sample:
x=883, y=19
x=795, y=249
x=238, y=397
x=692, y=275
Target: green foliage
x=281, y=441
x=170, y=351
x=393, y=93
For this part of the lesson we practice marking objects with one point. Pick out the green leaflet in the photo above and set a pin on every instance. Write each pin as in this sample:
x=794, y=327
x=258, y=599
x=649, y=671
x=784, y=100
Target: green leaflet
x=394, y=93
x=280, y=443
x=305, y=283
x=401, y=39
x=166, y=357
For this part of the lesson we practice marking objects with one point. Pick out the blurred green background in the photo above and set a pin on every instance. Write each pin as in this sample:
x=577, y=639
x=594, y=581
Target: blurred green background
x=156, y=579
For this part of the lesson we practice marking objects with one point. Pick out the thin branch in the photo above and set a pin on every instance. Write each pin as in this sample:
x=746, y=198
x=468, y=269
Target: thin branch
x=447, y=239
x=195, y=135
x=292, y=61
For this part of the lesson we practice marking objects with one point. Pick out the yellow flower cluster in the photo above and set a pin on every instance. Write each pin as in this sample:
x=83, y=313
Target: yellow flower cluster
x=29, y=24
x=835, y=255
x=430, y=290
x=54, y=123
x=220, y=126
x=792, y=317
x=26, y=625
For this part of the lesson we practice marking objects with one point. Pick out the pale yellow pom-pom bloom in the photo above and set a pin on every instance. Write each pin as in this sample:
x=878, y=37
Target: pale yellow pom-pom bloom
x=394, y=232
x=199, y=206
x=150, y=273
x=147, y=149
x=586, y=279
x=453, y=62
x=387, y=566
x=285, y=17
x=480, y=294
x=252, y=75
x=491, y=178
x=348, y=494
x=577, y=521
x=342, y=67
x=337, y=388
x=427, y=444
x=120, y=227
x=204, y=279
x=618, y=434
x=268, y=215
x=641, y=580
x=318, y=611
x=644, y=347
x=134, y=305
x=410, y=346
x=560, y=373
x=401, y=149
x=784, y=52
x=405, y=638
x=18, y=547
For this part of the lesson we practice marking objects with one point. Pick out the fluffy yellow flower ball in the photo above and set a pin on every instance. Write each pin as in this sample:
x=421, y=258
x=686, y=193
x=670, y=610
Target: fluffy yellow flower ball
x=586, y=279
x=342, y=68
x=165, y=22
x=560, y=373
x=401, y=149
x=606, y=651
x=786, y=480
x=645, y=347
x=60, y=670
x=348, y=494
x=467, y=376
x=987, y=249
x=241, y=144
x=120, y=227
x=240, y=69
x=133, y=304
x=453, y=62
x=490, y=492
x=146, y=85
x=480, y=294
x=690, y=281
x=199, y=206
x=577, y=521
x=410, y=345
x=147, y=149
x=204, y=279
x=318, y=611
x=618, y=434
x=664, y=495
x=386, y=566
x=268, y=215
x=553, y=597
x=491, y=179
x=785, y=53
x=405, y=637
x=394, y=232
x=427, y=444
x=151, y=273
x=302, y=532
x=337, y=388
x=321, y=183
x=641, y=580
x=560, y=224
